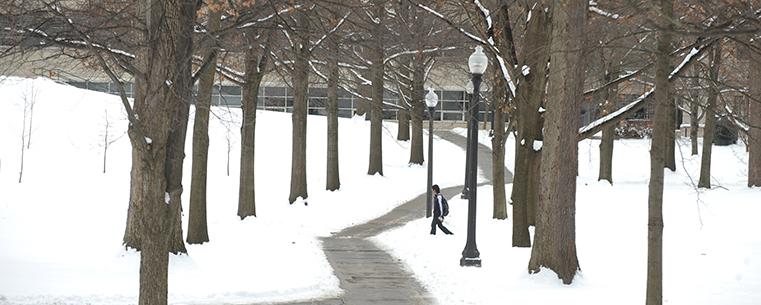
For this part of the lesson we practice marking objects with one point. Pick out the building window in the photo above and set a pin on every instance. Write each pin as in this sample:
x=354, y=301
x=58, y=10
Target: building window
x=451, y=106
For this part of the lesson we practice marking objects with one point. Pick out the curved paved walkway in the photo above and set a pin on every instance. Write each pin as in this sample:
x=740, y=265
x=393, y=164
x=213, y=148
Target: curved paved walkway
x=368, y=274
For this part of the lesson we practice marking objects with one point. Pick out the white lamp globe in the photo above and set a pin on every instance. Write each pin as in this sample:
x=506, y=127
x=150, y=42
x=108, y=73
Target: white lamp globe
x=478, y=61
x=431, y=99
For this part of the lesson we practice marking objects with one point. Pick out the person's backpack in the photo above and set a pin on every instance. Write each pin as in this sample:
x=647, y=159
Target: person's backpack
x=444, y=206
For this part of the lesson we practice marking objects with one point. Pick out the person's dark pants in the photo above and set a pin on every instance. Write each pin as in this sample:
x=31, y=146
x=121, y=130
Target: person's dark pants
x=437, y=222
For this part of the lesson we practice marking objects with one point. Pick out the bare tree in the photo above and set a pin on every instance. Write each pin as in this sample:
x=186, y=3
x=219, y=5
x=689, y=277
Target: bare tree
x=108, y=138
x=29, y=98
x=301, y=50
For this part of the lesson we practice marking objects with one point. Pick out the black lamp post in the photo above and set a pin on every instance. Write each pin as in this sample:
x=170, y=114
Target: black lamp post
x=464, y=195
x=431, y=99
x=477, y=64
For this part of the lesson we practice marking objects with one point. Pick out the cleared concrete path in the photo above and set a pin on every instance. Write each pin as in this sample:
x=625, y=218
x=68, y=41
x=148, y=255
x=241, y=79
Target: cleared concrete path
x=368, y=274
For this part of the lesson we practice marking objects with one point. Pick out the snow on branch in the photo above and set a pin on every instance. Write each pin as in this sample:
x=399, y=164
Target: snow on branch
x=599, y=124
x=633, y=74
x=738, y=123
x=687, y=59
x=74, y=43
x=486, y=13
x=593, y=8
x=317, y=71
x=350, y=90
x=506, y=73
x=463, y=31
x=492, y=45
x=281, y=11
x=330, y=32
x=412, y=52
x=502, y=64
x=617, y=113
x=365, y=81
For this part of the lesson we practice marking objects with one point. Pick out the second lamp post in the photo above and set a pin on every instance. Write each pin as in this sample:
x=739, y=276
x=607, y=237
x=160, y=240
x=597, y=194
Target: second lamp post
x=431, y=99
x=477, y=64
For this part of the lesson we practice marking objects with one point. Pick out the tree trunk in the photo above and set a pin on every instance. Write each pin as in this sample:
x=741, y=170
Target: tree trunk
x=529, y=97
x=182, y=86
x=754, y=120
x=416, y=150
x=157, y=114
x=153, y=211
x=375, y=165
x=608, y=134
x=754, y=142
x=332, y=181
x=418, y=111
x=655, y=204
x=606, y=154
x=710, y=123
x=132, y=234
x=694, y=125
x=403, y=119
x=671, y=136
x=710, y=117
x=555, y=235
x=662, y=100
x=363, y=104
x=198, y=232
x=299, y=118
x=175, y=66
x=532, y=196
x=255, y=64
x=499, y=104
x=498, y=155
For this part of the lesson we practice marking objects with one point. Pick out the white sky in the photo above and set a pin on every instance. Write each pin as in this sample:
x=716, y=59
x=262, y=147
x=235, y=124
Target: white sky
x=61, y=227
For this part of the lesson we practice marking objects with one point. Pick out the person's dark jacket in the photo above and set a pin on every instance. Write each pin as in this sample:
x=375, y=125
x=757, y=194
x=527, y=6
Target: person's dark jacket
x=437, y=206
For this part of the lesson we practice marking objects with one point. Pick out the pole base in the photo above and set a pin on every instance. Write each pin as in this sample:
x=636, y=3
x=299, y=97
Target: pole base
x=470, y=262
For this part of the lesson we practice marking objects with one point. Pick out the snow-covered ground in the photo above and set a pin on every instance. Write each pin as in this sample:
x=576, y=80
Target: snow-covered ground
x=61, y=227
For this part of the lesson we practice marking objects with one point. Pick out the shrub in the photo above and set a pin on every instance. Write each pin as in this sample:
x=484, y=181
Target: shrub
x=634, y=129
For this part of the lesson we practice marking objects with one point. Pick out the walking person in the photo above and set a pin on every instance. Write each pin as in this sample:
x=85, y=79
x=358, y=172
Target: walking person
x=438, y=209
